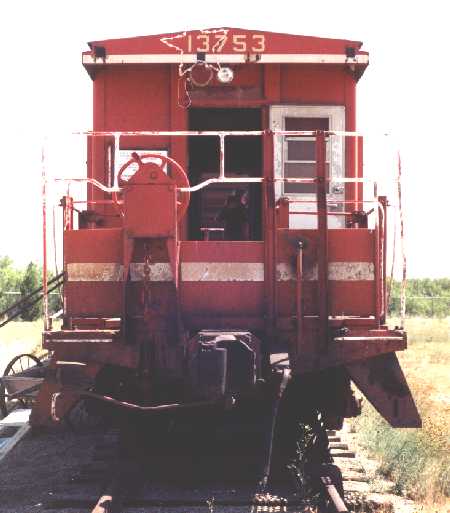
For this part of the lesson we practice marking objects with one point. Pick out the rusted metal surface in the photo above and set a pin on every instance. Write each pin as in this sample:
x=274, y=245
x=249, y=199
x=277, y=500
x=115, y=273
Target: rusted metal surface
x=333, y=495
x=383, y=383
x=353, y=348
x=149, y=409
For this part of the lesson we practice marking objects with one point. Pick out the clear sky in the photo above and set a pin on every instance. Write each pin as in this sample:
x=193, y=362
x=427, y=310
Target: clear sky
x=404, y=92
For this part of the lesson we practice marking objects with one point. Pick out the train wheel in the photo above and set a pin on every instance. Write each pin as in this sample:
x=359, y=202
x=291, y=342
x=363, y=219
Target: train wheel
x=300, y=437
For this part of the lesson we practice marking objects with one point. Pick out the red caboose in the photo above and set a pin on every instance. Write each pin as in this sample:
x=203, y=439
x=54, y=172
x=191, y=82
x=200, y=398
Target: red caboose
x=226, y=236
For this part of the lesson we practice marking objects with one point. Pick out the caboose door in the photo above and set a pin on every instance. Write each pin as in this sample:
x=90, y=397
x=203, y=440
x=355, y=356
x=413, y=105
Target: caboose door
x=294, y=157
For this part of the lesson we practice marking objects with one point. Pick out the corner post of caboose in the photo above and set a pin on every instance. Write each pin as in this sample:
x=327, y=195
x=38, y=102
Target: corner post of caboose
x=270, y=232
x=322, y=239
x=383, y=204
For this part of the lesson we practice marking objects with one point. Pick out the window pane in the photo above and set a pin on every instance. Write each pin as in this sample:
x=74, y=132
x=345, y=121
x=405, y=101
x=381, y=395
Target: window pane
x=301, y=150
x=307, y=123
x=301, y=170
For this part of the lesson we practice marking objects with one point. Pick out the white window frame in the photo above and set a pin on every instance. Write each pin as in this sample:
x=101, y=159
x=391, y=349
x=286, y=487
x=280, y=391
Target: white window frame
x=335, y=153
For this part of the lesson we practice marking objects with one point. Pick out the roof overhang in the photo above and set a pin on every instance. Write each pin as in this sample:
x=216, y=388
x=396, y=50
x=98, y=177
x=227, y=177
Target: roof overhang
x=226, y=46
x=190, y=58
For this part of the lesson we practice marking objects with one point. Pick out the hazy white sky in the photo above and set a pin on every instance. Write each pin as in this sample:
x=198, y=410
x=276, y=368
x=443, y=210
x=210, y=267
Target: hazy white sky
x=44, y=90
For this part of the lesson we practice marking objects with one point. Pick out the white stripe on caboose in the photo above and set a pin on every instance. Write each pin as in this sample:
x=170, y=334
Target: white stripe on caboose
x=94, y=271
x=216, y=272
x=337, y=271
x=222, y=271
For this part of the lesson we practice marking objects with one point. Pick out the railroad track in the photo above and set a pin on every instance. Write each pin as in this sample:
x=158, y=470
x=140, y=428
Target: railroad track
x=125, y=487
x=70, y=472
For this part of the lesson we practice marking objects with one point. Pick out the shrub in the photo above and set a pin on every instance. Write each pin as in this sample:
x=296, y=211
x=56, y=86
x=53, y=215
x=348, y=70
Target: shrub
x=424, y=298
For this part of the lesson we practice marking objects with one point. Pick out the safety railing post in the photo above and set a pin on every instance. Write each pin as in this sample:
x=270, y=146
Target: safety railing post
x=322, y=240
x=44, y=236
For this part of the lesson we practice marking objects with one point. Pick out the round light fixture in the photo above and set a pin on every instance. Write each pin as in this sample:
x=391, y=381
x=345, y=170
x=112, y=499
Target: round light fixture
x=201, y=74
x=225, y=75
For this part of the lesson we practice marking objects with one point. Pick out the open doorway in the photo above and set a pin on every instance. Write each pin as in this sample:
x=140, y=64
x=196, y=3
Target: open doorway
x=243, y=158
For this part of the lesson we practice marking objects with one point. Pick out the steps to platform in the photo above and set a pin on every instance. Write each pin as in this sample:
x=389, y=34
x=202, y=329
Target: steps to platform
x=12, y=429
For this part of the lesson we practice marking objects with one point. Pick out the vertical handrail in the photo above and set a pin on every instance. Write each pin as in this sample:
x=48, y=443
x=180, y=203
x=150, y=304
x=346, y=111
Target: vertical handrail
x=376, y=250
x=270, y=235
x=67, y=204
x=383, y=285
x=222, y=156
x=299, y=303
x=44, y=236
x=322, y=246
x=402, y=243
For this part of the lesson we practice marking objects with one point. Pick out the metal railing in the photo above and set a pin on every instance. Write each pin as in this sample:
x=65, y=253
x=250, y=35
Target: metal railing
x=321, y=210
x=26, y=302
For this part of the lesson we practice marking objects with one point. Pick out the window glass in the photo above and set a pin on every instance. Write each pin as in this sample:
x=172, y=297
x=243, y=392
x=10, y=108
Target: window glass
x=295, y=157
x=301, y=170
x=300, y=153
x=299, y=123
x=301, y=149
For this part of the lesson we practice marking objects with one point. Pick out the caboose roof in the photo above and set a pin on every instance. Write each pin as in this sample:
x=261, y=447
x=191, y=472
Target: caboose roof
x=226, y=45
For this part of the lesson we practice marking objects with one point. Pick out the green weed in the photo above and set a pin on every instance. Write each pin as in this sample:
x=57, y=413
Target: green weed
x=417, y=460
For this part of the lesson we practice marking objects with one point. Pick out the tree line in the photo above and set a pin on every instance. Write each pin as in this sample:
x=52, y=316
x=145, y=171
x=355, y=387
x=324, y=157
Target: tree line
x=17, y=283
x=424, y=297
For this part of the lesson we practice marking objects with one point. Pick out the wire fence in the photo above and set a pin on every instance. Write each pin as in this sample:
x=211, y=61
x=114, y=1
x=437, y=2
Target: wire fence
x=422, y=306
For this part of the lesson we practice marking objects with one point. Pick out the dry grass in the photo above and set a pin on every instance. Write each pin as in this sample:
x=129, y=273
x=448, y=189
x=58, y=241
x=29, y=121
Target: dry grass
x=17, y=338
x=418, y=460
x=16, y=332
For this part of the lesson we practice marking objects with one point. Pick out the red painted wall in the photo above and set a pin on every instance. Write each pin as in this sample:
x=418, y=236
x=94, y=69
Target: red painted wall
x=312, y=84
x=134, y=97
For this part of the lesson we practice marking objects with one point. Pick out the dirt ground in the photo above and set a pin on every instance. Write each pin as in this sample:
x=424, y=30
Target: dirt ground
x=39, y=467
